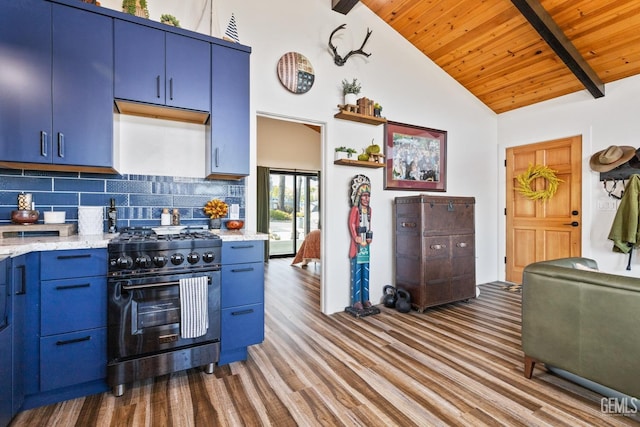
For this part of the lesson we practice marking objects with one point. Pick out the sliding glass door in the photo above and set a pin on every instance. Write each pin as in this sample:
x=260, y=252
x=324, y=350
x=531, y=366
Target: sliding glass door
x=294, y=210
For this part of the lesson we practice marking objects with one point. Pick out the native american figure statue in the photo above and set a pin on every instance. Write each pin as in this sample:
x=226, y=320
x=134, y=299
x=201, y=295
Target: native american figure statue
x=361, y=237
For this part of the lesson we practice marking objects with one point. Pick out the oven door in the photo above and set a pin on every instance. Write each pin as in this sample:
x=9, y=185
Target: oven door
x=144, y=314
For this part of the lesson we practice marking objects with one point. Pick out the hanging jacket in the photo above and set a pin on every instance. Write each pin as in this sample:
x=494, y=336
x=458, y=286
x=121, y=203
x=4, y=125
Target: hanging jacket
x=625, y=230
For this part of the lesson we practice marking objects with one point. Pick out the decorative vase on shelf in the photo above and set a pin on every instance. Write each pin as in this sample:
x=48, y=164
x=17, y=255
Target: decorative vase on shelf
x=350, y=99
x=215, y=223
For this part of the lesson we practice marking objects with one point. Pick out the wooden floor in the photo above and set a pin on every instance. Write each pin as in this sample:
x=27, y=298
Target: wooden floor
x=455, y=365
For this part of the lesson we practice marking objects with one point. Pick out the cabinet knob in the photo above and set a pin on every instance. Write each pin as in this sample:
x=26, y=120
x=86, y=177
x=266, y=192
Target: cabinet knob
x=462, y=244
x=408, y=225
x=438, y=247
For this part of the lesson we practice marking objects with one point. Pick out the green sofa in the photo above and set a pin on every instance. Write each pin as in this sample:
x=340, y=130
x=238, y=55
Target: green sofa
x=584, y=322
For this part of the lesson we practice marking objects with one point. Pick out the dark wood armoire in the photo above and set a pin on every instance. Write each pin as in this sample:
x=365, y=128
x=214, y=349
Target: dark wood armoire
x=435, y=249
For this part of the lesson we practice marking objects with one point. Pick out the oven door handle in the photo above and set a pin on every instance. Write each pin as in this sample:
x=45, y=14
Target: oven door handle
x=155, y=285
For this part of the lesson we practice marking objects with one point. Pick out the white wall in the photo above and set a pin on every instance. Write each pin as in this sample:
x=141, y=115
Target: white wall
x=611, y=120
x=287, y=145
x=411, y=89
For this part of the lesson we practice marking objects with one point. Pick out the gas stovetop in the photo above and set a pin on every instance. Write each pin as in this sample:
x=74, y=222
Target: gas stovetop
x=139, y=250
x=163, y=234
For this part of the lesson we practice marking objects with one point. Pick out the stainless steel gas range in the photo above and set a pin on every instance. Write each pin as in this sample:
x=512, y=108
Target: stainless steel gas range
x=163, y=303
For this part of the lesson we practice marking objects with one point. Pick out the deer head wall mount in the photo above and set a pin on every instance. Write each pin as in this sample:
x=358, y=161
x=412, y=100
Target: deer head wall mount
x=339, y=60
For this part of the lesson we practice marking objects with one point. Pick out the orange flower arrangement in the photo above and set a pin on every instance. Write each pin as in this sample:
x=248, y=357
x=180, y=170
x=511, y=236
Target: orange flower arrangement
x=216, y=208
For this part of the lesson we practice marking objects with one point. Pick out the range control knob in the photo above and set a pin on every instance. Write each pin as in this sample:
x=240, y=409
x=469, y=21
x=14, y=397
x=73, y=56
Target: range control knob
x=208, y=256
x=193, y=257
x=177, y=259
x=160, y=260
x=124, y=261
x=143, y=261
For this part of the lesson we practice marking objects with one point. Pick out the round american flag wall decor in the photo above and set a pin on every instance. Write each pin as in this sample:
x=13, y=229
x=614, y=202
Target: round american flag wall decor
x=295, y=72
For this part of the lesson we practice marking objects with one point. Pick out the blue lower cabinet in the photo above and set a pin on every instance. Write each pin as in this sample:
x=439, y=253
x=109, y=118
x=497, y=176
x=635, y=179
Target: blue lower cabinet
x=242, y=326
x=73, y=358
x=6, y=349
x=242, y=299
x=66, y=326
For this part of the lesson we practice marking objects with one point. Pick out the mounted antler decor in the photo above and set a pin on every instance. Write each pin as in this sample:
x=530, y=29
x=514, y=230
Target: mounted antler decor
x=339, y=60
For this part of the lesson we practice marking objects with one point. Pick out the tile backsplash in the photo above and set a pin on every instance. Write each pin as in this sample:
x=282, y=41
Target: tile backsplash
x=139, y=198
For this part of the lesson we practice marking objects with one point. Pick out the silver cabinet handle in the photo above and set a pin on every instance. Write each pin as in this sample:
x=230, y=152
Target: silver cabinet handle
x=43, y=143
x=462, y=244
x=60, y=144
x=438, y=247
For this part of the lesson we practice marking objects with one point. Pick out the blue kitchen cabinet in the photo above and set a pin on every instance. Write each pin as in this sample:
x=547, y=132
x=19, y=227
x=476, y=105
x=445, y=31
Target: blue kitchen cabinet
x=67, y=348
x=56, y=94
x=6, y=348
x=162, y=68
x=13, y=291
x=228, y=131
x=242, y=299
x=21, y=281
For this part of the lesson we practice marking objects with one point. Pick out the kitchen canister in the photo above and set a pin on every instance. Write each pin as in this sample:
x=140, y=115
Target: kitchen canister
x=90, y=220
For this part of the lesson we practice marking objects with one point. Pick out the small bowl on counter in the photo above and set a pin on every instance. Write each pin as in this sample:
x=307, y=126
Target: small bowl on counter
x=24, y=217
x=234, y=224
x=54, y=217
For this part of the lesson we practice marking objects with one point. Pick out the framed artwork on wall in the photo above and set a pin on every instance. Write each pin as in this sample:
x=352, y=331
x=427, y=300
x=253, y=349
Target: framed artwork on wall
x=416, y=158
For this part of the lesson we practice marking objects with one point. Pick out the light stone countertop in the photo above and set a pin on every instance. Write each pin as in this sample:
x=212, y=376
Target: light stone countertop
x=15, y=246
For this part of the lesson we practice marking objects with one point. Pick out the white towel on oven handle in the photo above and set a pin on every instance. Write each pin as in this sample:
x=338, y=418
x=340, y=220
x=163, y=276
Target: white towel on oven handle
x=194, y=310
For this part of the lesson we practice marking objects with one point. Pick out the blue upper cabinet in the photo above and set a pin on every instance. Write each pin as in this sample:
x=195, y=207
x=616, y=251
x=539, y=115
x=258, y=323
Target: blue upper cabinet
x=25, y=86
x=54, y=58
x=228, y=151
x=155, y=67
x=82, y=88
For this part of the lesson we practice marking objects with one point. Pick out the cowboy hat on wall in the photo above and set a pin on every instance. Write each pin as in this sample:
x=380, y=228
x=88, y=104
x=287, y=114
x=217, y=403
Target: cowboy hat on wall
x=611, y=157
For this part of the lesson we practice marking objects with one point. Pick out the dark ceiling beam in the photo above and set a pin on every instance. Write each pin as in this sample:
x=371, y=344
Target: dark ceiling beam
x=544, y=24
x=343, y=6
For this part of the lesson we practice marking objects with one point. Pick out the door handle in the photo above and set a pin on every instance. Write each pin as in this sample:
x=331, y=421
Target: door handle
x=573, y=224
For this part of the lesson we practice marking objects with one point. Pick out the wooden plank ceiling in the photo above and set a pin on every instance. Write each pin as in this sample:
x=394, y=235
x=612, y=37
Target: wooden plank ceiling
x=491, y=49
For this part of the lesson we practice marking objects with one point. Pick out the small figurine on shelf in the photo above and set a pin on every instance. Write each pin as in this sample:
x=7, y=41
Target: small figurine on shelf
x=377, y=110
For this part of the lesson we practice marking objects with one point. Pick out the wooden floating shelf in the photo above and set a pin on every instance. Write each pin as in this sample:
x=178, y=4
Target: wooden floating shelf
x=356, y=117
x=347, y=162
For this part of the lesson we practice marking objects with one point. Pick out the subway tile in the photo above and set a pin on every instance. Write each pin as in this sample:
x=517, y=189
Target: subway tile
x=143, y=187
x=161, y=200
x=26, y=184
x=79, y=185
x=55, y=199
x=52, y=174
x=92, y=175
x=4, y=171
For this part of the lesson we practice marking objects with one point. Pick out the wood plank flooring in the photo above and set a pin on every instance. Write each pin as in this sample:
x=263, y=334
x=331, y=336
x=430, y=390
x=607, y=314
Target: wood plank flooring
x=456, y=365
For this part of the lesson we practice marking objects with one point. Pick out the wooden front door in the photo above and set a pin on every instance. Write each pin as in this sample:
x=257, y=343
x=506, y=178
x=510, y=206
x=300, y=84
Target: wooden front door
x=539, y=230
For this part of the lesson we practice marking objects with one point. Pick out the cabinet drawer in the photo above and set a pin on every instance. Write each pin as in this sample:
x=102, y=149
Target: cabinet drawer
x=241, y=252
x=73, y=358
x=73, y=263
x=242, y=326
x=463, y=245
x=242, y=284
x=73, y=305
x=437, y=247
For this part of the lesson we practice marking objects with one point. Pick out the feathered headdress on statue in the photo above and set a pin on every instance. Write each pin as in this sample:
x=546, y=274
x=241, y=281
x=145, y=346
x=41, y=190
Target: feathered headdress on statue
x=359, y=184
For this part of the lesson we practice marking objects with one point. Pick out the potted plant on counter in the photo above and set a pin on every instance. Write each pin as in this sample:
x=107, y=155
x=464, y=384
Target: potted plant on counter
x=215, y=209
